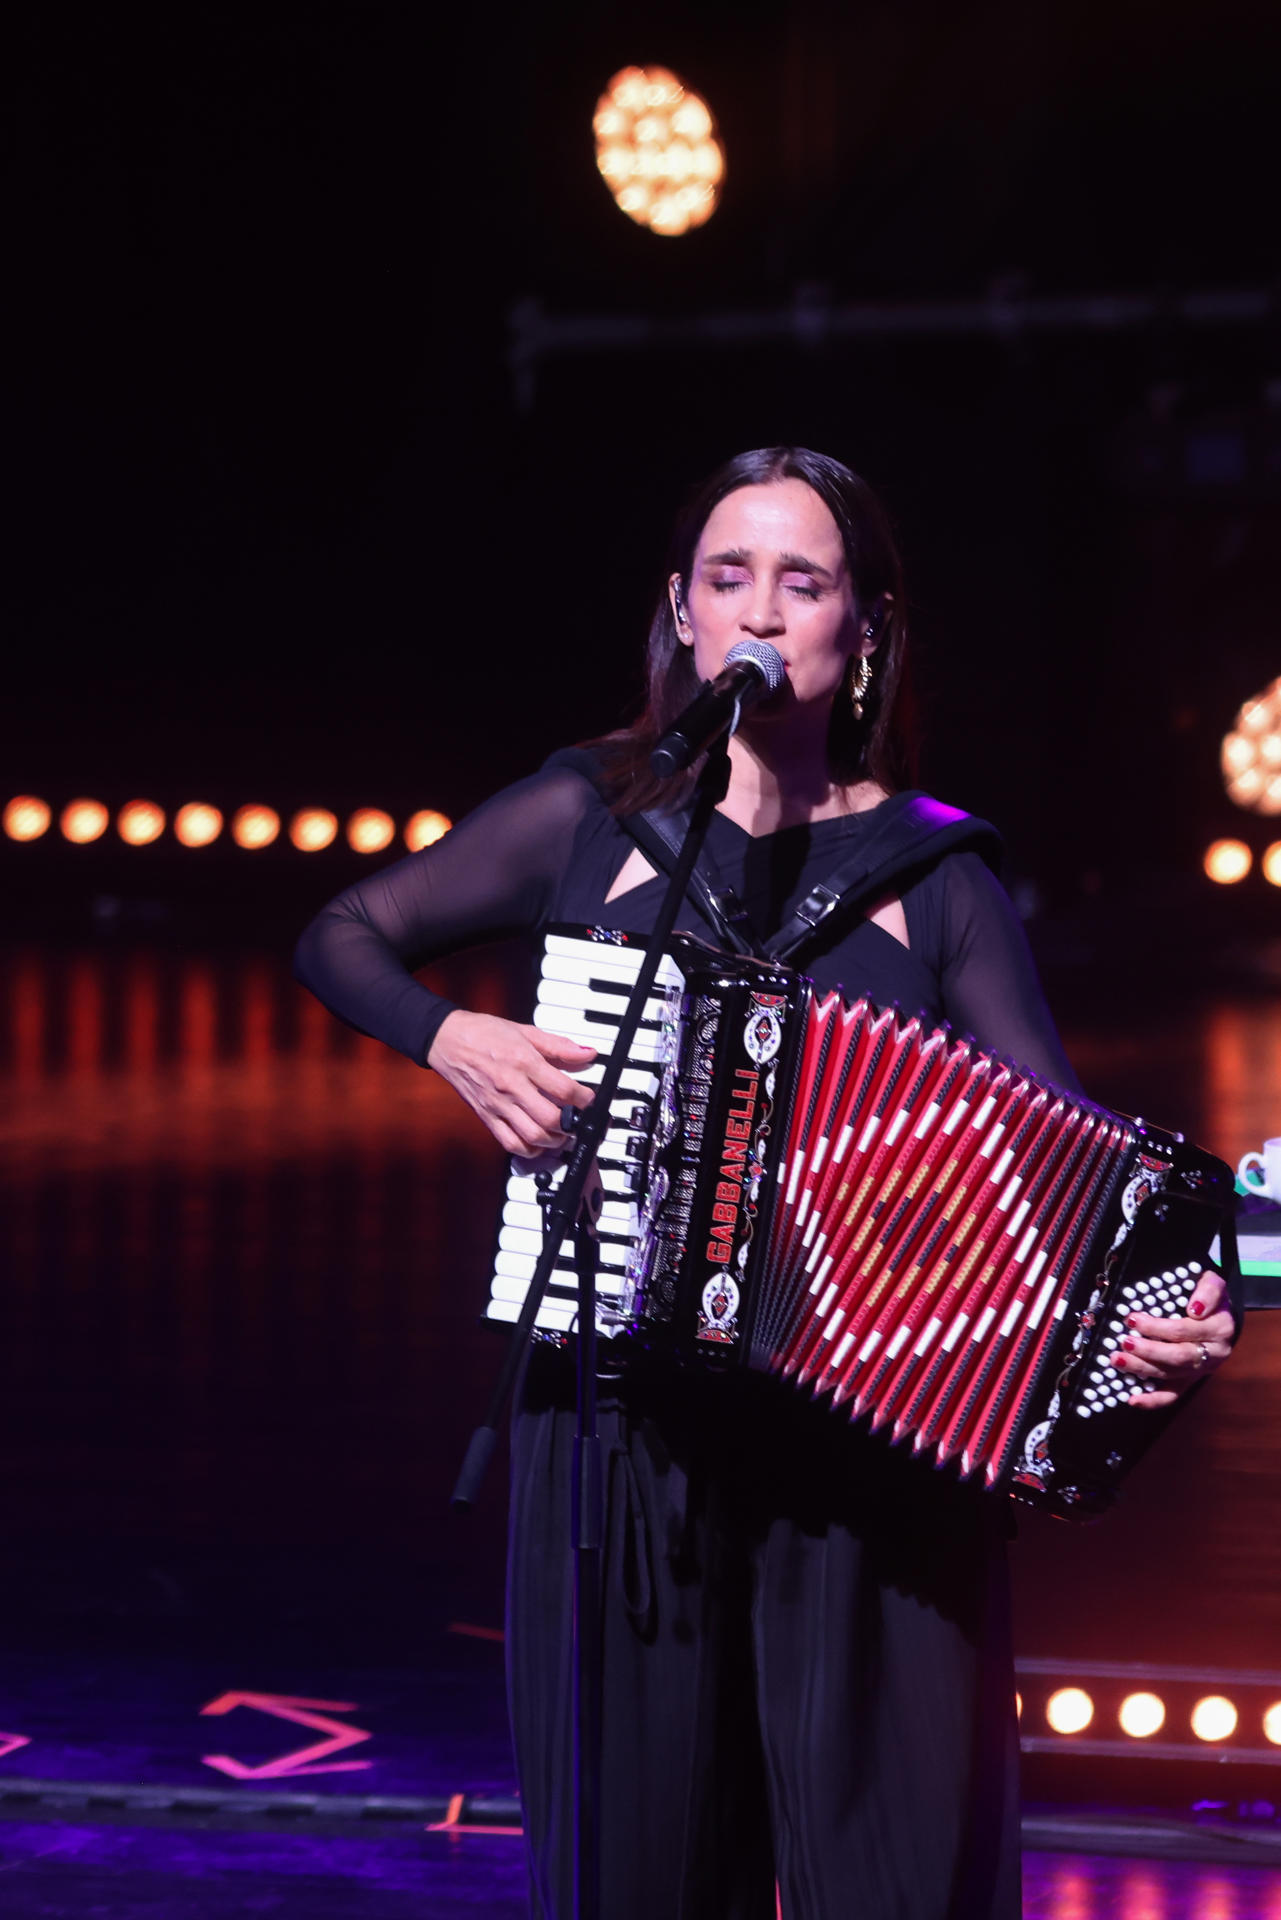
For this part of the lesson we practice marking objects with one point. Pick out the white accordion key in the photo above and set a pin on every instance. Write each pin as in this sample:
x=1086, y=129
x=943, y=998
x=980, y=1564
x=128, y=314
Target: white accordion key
x=582, y=998
x=570, y=1024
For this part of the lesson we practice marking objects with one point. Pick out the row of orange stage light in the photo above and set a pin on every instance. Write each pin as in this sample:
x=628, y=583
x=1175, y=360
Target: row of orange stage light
x=1212, y=1718
x=1228, y=861
x=140, y=823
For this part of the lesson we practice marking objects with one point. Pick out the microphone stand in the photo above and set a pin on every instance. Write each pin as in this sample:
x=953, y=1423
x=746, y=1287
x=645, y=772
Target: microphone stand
x=587, y=1527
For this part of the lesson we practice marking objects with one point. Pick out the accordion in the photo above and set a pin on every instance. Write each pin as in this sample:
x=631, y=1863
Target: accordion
x=911, y=1229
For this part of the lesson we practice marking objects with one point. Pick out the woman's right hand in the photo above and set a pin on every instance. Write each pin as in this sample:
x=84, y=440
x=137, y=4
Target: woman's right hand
x=512, y=1076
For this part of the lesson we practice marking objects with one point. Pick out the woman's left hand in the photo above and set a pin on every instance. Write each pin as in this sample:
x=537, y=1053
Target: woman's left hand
x=1177, y=1352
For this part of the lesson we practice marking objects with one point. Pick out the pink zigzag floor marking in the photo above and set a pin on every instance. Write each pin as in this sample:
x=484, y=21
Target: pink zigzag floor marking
x=304, y=1713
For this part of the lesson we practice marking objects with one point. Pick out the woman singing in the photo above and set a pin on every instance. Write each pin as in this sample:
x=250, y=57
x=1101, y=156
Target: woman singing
x=807, y=1669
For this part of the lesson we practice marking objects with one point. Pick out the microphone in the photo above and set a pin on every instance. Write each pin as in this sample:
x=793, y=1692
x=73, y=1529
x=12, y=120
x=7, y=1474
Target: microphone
x=753, y=669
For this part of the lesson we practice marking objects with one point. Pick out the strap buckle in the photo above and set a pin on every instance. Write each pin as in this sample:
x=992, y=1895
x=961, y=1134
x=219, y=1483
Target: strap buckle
x=729, y=907
x=816, y=905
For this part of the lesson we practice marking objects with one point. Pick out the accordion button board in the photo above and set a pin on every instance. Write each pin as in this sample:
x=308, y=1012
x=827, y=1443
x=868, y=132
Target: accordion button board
x=584, y=982
x=919, y=1233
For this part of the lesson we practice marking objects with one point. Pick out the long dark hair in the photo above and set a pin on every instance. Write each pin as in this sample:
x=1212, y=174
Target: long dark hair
x=880, y=747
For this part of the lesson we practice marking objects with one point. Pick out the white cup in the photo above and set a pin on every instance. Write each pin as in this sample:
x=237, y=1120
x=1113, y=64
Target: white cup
x=1261, y=1172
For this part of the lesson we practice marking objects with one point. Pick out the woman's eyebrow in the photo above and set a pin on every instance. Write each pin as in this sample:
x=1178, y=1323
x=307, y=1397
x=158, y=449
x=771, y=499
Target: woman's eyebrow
x=788, y=562
x=797, y=563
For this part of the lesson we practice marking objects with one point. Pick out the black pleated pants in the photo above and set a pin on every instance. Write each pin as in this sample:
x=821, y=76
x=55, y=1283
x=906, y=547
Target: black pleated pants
x=807, y=1671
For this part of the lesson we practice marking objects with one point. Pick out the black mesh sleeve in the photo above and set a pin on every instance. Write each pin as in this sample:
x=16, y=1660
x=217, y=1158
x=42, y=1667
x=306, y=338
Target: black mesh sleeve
x=990, y=985
x=494, y=875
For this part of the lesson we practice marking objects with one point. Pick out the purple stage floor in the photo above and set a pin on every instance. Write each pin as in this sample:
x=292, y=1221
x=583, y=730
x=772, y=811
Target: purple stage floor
x=70, y=1871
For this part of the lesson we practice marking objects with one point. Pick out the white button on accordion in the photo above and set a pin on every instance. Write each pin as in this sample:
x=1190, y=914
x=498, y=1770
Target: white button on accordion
x=904, y=1226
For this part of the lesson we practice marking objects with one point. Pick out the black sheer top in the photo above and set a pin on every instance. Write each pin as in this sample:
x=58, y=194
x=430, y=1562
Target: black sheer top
x=547, y=850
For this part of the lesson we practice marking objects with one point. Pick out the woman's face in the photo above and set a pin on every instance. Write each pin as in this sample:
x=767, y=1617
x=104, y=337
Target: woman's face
x=770, y=565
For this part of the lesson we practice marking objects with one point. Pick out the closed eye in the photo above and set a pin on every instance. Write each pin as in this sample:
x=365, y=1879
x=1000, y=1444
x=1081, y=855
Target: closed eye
x=802, y=589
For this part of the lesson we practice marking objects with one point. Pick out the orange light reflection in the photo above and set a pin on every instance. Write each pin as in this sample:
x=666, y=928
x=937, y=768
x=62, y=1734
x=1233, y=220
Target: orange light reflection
x=253, y=827
x=140, y=822
x=197, y=824
x=312, y=829
x=370, y=830
x=1227, y=861
x=83, y=821
x=423, y=829
x=26, y=818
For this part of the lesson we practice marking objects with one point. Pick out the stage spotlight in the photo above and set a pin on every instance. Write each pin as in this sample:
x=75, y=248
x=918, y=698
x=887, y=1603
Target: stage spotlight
x=425, y=828
x=1142, y=1714
x=140, y=822
x=197, y=824
x=1069, y=1710
x=1214, y=1718
x=1270, y=865
x=1227, y=861
x=1250, y=757
x=83, y=821
x=1272, y=1723
x=370, y=830
x=313, y=829
x=1018, y=1706
x=657, y=150
x=254, y=826
x=26, y=818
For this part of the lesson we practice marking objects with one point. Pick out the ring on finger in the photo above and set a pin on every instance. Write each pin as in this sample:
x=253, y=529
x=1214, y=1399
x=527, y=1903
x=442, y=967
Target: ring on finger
x=1202, y=1355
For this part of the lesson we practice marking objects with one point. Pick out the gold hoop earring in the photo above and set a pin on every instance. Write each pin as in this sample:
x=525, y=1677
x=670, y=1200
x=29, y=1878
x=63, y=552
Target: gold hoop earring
x=860, y=684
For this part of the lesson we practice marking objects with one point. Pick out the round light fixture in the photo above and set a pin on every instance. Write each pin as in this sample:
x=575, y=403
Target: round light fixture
x=370, y=830
x=313, y=829
x=1214, y=1718
x=424, y=828
x=26, y=818
x=1227, y=861
x=197, y=824
x=657, y=150
x=1250, y=757
x=82, y=821
x=253, y=827
x=1070, y=1710
x=140, y=822
x=1142, y=1714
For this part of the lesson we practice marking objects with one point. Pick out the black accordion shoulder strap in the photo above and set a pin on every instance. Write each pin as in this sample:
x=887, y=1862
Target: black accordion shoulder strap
x=659, y=837
x=912, y=832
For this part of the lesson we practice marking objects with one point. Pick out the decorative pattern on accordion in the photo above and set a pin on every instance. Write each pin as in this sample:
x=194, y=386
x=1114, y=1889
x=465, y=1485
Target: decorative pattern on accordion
x=883, y=1214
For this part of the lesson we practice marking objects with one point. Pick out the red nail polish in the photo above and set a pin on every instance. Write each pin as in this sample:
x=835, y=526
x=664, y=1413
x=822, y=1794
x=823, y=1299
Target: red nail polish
x=1196, y=1309
x=1129, y=1319
x=1119, y=1360
x=1129, y=1344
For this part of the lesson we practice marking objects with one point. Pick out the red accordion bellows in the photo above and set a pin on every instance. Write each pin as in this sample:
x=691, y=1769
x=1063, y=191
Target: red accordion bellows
x=936, y=1209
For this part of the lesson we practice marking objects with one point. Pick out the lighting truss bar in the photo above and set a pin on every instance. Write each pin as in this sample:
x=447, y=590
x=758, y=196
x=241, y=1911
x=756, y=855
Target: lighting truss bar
x=1219, y=1752
x=1225, y=1677
x=812, y=319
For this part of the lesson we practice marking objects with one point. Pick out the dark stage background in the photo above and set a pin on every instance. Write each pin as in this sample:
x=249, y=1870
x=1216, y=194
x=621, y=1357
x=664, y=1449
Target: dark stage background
x=301, y=511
